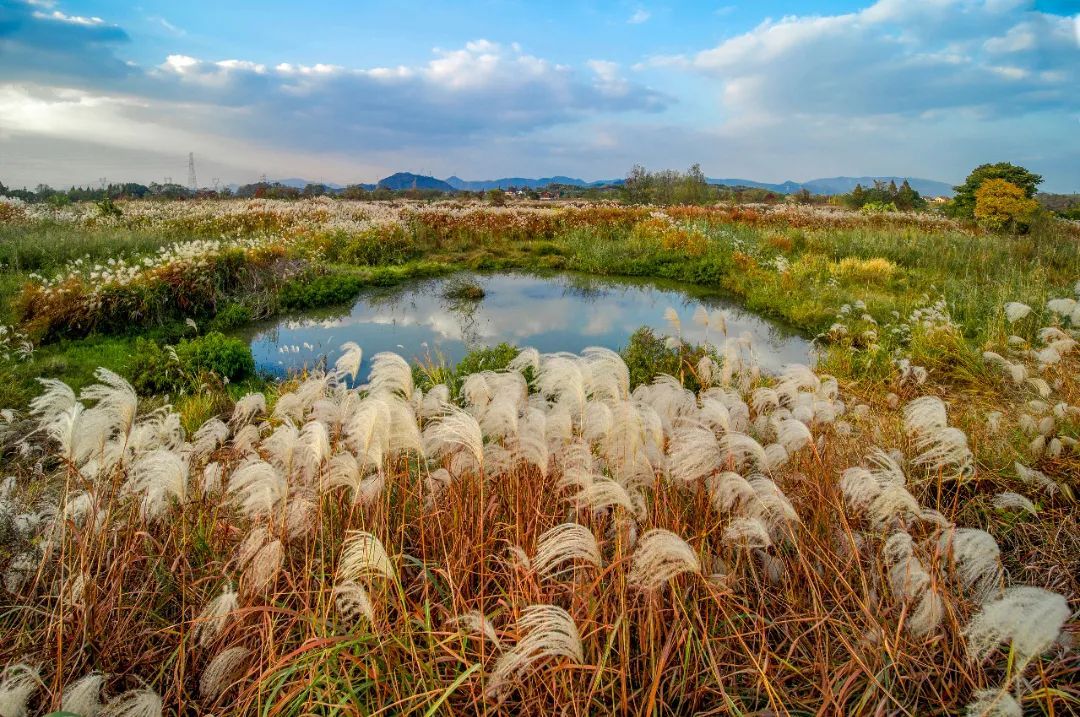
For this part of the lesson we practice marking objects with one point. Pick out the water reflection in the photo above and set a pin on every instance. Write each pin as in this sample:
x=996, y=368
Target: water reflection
x=562, y=312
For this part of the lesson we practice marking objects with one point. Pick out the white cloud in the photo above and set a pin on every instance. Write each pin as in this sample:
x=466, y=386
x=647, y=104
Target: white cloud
x=640, y=15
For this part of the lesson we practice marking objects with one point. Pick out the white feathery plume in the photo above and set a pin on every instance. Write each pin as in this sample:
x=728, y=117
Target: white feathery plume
x=247, y=408
x=729, y=492
x=674, y=322
x=391, y=374
x=368, y=431
x=17, y=683
x=474, y=622
x=547, y=631
x=925, y=415
x=911, y=582
x=213, y=618
x=261, y=573
x=289, y=408
x=1029, y=618
x=115, y=396
x=993, y=703
x=693, y=453
x=224, y=670
x=346, y=471
x=257, y=537
x=211, y=477
x=561, y=379
x=245, y=438
x=792, y=434
x=977, y=558
x=352, y=602
x=348, y=364
x=1014, y=501
x=404, y=433
x=747, y=532
x=602, y=494
x=606, y=374
x=528, y=358
x=740, y=450
x=1014, y=311
x=456, y=431
x=83, y=697
x=945, y=448
x=257, y=487
x=596, y=421
x=57, y=398
x=1036, y=478
x=764, y=399
x=770, y=504
x=142, y=702
x=300, y=513
x=362, y=554
x=701, y=316
x=565, y=542
x=208, y=437
x=660, y=556
x=993, y=421
x=159, y=476
x=715, y=415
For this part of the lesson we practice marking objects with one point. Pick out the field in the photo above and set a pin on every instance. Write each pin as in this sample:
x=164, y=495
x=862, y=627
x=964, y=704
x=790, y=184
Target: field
x=665, y=530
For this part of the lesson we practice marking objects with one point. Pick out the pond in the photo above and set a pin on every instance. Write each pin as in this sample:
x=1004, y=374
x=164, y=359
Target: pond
x=558, y=312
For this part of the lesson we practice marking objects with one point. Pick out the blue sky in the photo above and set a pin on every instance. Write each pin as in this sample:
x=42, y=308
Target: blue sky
x=351, y=91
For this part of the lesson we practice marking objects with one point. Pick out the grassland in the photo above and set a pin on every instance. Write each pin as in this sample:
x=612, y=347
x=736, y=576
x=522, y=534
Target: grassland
x=324, y=550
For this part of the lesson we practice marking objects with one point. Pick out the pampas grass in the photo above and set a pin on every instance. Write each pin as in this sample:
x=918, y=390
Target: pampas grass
x=83, y=697
x=1028, y=618
x=17, y=683
x=547, y=631
x=660, y=555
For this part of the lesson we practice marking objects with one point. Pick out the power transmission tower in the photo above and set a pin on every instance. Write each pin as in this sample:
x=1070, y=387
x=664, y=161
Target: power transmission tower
x=192, y=183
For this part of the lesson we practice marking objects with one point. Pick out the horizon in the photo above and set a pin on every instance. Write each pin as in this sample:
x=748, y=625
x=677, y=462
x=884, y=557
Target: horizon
x=768, y=92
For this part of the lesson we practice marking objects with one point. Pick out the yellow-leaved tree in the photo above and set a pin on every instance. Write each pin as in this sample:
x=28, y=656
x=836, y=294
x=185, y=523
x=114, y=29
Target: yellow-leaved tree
x=1003, y=206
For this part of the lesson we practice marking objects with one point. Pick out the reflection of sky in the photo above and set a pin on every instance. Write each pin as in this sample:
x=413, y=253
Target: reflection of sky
x=559, y=313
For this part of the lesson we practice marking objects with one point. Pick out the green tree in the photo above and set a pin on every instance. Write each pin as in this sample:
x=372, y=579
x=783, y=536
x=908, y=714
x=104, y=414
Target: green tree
x=963, y=204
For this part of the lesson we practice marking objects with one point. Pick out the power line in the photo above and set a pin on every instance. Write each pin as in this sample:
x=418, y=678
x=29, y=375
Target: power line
x=192, y=183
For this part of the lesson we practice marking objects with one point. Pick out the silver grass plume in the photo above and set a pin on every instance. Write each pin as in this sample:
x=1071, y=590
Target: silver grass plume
x=660, y=556
x=345, y=470
x=606, y=374
x=208, y=437
x=454, y=432
x=225, y=669
x=912, y=583
x=740, y=450
x=944, y=448
x=925, y=415
x=115, y=396
x=363, y=554
x=475, y=623
x=262, y=572
x=134, y=703
x=352, y=602
x=348, y=364
x=547, y=631
x=17, y=683
x=693, y=454
x=57, y=398
x=83, y=697
x=289, y=408
x=993, y=703
x=729, y=492
x=1029, y=618
x=1036, y=478
x=213, y=618
x=390, y=373
x=257, y=487
x=248, y=407
x=747, y=532
x=563, y=543
x=158, y=476
x=977, y=559
x=602, y=494
x=1014, y=501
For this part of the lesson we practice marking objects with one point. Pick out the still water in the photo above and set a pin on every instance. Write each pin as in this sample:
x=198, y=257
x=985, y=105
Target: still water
x=558, y=312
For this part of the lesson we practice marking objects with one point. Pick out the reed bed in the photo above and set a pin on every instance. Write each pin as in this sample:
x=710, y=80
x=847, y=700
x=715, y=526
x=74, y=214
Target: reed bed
x=548, y=540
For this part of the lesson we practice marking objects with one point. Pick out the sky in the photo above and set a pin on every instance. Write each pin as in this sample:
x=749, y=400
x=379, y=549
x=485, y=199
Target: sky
x=347, y=92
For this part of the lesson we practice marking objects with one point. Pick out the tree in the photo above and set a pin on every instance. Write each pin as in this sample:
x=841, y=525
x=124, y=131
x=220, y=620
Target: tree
x=1003, y=206
x=963, y=204
x=496, y=197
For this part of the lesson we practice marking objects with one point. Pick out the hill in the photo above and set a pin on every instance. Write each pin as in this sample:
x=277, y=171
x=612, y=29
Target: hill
x=408, y=180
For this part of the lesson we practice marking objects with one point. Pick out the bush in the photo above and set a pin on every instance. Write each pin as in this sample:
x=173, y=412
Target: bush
x=321, y=291
x=218, y=354
x=374, y=247
x=648, y=355
x=155, y=369
x=231, y=316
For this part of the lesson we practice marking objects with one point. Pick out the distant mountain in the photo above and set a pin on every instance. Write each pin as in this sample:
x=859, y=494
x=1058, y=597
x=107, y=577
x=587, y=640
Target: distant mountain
x=299, y=183
x=408, y=180
x=517, y=182
x=841, y=185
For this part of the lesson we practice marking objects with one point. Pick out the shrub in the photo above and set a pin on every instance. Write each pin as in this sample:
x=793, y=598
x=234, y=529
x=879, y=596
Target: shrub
x=876, y=270
x=648, y=355
x=231, y=316
x=376, y=246
x=155, y=369
x=463, y=289
x=216, y=353
x=321, y=291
